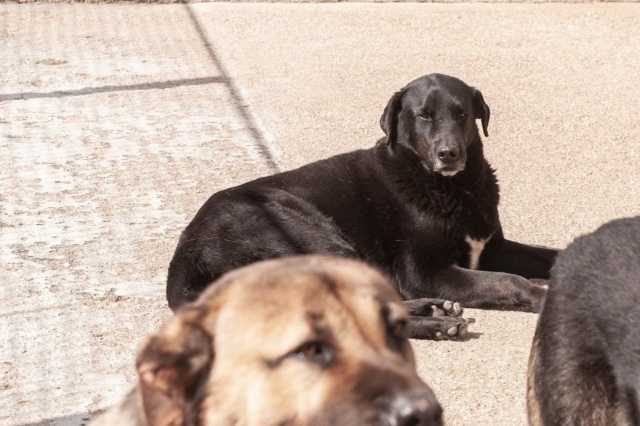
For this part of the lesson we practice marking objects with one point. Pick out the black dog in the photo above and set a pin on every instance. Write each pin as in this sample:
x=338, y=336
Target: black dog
x=422, y=206
x=585, y=361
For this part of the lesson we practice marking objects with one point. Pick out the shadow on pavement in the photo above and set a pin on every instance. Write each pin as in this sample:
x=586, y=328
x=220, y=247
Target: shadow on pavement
x=102, y=89
x=233, y=90
x=81, y=419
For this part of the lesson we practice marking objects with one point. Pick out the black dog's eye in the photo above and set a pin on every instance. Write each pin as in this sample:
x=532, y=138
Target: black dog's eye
x=462, y=115
x=426, y=115
x=316, y=352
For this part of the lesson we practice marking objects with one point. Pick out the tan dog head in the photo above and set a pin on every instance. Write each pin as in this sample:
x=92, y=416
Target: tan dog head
x=300, y=341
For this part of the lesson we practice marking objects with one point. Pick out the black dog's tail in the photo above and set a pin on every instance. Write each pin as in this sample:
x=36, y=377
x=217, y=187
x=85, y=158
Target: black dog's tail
x=186, y=280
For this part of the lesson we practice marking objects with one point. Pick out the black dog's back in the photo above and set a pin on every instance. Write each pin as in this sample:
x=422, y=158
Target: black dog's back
x=339, y=206
x=272, y=217
x=585, y=362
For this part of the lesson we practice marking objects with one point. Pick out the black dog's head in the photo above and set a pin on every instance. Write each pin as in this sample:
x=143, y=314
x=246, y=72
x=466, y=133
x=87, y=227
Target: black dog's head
x=434, y=116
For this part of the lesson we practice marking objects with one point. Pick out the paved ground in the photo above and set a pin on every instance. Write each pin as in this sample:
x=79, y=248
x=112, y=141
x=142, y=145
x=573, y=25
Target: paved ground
x=118, y=121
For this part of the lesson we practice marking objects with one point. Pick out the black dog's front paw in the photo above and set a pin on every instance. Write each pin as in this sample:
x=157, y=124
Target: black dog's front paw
x=454, y=329
x=433, y=308
x=438, y=328
x=447, y=308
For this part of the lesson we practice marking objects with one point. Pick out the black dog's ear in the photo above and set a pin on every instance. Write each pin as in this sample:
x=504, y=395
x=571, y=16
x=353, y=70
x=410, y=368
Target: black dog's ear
x=481, y=110
x=172, y=365
x=389, y=119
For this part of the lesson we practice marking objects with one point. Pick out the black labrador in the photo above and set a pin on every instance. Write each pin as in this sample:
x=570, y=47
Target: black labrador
x=421, y=205
x=585, y=360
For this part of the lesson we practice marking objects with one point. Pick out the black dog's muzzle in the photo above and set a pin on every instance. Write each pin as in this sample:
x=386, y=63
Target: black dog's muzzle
x=450, y=158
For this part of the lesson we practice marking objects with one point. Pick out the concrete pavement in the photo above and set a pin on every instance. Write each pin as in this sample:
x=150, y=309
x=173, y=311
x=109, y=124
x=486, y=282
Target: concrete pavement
x=118, y=121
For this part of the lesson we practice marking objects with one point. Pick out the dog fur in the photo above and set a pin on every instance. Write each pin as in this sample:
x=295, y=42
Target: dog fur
x=422, y=206
x=584, y=367
x=305, y=340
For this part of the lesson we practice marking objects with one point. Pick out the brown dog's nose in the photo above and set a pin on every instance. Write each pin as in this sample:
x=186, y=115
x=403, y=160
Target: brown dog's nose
x=415, y=410
x=448, y=153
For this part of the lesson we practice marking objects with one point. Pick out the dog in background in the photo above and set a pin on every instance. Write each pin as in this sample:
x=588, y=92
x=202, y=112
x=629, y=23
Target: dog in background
x=306, y=340
x=584, y=367
x=421, y=206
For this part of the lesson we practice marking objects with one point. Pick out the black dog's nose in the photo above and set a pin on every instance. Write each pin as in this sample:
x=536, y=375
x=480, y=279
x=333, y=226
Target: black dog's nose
x=415, y=411
x=448, y=153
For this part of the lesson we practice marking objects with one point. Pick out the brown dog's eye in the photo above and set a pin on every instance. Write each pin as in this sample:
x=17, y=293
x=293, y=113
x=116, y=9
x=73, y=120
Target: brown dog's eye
x=316, y=352
x=309, y=350
x=398, y=328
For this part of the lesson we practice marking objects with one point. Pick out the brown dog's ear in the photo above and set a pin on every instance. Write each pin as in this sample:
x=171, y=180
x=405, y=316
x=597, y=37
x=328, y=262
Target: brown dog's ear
x=389, y=119
x=481, y=110
x=172, y=365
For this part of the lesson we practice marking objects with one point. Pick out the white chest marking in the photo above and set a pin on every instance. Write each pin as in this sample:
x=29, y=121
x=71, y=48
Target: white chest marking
x=476, y=250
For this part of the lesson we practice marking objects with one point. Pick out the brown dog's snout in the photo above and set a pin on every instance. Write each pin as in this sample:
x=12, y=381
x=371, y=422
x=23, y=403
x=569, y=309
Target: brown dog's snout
x=413, y=409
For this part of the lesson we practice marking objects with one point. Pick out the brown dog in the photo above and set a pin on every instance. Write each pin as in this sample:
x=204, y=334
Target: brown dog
x=306, y=340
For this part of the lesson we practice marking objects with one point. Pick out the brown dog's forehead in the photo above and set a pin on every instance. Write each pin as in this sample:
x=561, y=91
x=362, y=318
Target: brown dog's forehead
x=286, y=302
x=291, y=274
